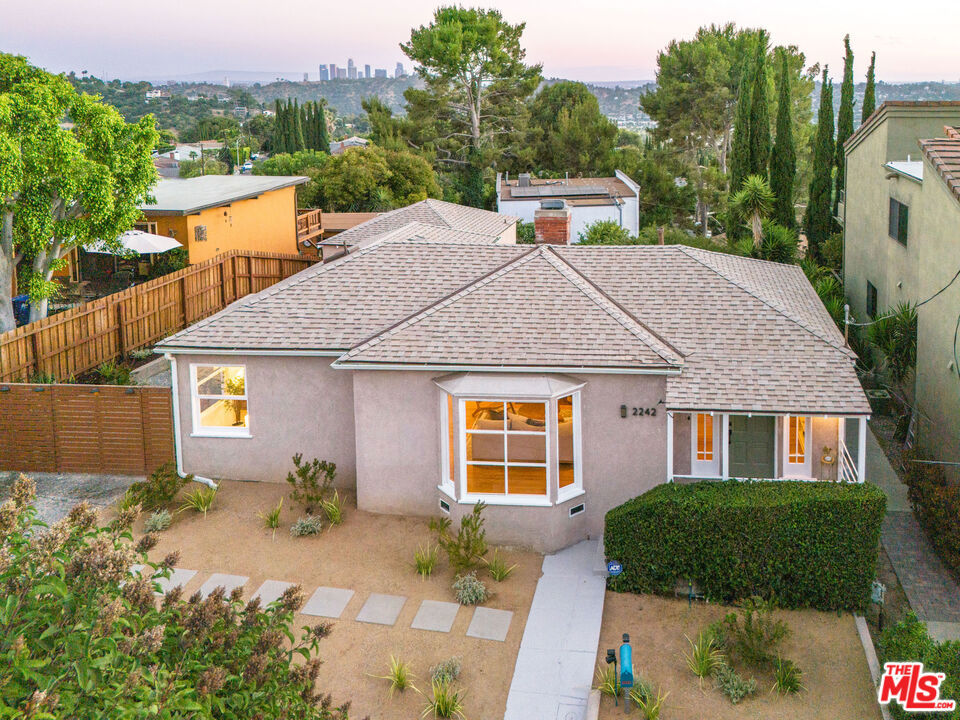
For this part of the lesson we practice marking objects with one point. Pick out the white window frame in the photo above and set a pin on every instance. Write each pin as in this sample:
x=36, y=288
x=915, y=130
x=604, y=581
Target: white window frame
x=199, y=430
x=446, y=485
x=575, y=489
x=804, y=469
x=705, y=468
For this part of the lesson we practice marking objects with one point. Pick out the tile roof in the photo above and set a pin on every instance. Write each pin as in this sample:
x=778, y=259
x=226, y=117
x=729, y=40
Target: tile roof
x=944, y=155
x=745, y=335
x=430, y=212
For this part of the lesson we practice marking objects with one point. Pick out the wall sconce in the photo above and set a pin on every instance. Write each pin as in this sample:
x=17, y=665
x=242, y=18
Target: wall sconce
x=623, y=411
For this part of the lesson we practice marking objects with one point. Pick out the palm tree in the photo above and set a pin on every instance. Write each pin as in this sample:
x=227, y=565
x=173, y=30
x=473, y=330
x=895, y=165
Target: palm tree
x=753, y=202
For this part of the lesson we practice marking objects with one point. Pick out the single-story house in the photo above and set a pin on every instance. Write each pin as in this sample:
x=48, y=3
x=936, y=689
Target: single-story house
x=552, y=383
x=338, y=147
x=590, y=199
x=212, y=214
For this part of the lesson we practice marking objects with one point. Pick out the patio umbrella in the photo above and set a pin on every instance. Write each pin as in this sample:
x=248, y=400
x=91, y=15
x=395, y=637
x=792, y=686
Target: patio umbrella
x=140, y=242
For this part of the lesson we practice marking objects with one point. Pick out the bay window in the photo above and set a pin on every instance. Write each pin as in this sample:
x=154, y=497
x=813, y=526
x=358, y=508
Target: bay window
x=219, y=400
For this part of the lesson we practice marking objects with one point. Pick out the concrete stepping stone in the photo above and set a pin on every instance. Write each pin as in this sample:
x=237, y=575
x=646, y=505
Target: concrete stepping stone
x=435, y=615
x=327, y=602
x=178, y=578
x=227, y=582
x=271, y=590
x=490, y=624
x=381, y=609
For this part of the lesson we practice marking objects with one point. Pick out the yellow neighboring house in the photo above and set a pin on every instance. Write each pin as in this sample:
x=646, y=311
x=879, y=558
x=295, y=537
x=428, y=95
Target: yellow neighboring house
x=212, y=214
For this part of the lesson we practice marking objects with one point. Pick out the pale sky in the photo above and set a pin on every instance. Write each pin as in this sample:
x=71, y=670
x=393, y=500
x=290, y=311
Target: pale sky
x=613, y=40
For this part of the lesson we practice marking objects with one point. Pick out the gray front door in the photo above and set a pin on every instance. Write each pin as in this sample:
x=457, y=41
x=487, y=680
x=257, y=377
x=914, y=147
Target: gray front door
x=752, y=446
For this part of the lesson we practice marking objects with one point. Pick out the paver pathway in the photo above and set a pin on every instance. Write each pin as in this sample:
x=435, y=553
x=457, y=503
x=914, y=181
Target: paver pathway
x=555, y=665
x=932, y=591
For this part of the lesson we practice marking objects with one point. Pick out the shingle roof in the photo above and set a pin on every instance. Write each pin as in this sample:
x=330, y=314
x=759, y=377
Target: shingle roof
x=430, y=212
x=944, y=155
x=746, y=335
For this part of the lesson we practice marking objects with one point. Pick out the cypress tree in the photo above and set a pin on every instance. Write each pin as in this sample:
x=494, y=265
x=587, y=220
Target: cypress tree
x=844, y=121
x=759, y=113
x=296, y=128
x=869, y=94
x=817, y=221
x=323, y=138
x=783, y=159
x=740, y=145
x=278, y=142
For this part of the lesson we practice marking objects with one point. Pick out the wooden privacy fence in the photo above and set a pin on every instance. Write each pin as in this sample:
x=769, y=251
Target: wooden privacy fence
x=79, y=339
x=85, y=428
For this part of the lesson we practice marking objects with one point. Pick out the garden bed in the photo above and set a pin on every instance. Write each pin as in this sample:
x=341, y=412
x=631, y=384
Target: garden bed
x=368, y=553
x=824, y=645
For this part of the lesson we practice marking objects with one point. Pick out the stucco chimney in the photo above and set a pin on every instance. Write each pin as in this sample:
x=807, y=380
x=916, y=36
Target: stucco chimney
x=552, y=223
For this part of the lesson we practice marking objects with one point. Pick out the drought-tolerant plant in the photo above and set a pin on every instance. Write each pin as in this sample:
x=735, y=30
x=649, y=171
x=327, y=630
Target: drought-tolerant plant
x=83, y=637
x=424, y=560
x=469, y=590
x=607, y=681
x=310, y=525
x=126, y=501
x=651, y=706
x=200, y=500
x=704, y=655
x=271, y=518
x=114, y=373
x=444, y=702
x=311, y=481
x=753, y=634
x=161, y=488
x=157, y=521
x=446, y=671
x=40, y=377
x=399, y=675
x=787, y=677
x=498, y=568
x=466, y=549
x=732, y=684
x=333, y=508
x=140, y=353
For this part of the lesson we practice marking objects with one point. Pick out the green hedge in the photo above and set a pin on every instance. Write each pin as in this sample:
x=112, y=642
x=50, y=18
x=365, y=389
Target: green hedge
x=908, y=641
x=936, y=503
x=808, y=544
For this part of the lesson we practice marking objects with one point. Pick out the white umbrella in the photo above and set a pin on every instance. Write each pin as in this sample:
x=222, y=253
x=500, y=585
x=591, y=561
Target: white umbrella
x=141, y=242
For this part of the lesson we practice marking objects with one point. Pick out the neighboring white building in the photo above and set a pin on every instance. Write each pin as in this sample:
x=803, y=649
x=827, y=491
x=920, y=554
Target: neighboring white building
x=191, y=151
x=590, y=199
x=338, y=146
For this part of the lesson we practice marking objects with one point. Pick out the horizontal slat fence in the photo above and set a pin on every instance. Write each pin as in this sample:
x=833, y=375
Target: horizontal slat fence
x=85, y=428
x=79, y=339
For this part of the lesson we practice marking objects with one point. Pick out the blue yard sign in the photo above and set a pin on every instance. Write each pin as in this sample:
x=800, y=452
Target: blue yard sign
x=614, y=568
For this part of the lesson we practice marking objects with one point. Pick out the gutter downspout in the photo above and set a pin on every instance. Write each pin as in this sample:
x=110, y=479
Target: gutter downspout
x=178, y=452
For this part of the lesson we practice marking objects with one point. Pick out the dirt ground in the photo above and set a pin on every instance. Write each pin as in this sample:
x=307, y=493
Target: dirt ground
x=826, y=648
x=367, y=553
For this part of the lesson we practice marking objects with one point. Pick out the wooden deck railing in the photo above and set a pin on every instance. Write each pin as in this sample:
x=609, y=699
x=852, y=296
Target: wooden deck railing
x=80, y=339
x=309, y=225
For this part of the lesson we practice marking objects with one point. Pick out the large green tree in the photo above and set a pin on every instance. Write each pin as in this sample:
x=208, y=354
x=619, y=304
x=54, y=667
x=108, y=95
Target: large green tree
x=372, y=179
x=568, y=133
x=844, y=122
x=818, y=219
x=759, y=112
x=62, y=185
x=783, y=158
x=477, y=83
x=740, y=146
x=870, y=92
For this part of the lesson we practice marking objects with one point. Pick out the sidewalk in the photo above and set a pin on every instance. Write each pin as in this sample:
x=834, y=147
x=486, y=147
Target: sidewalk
x=932, y=591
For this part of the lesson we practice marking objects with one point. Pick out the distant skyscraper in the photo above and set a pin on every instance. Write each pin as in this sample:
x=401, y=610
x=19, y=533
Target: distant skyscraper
x=380, y=73
x=341, y=73
x=333, y=71
x=351, y=69
x=366, y=70
x=306, y=77
x=324, y=73
x=399, y=72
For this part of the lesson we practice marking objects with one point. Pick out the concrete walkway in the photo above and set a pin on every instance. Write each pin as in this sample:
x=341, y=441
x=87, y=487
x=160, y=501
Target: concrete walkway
x=932, y=591
x=555, y=665
x=58, y=493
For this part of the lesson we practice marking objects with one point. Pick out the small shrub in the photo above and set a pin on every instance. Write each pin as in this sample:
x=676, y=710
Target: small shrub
x=466, y=549
x=444, y=702
x=753, y=635
x=310, y=525
x=311, y=481
x=704, y=655
x=424, y=560
x=498, y=567
x=446, y=671
x=936, y=503
x=161, y=488
x=127, y=500
x=649, y=706
x=731, y=683
x=42, y=378
x=469, y=590
x=114, y=373
x=157, y=521
x=333, y=508
x=607, y=681
x=399, y=675
x=140, y=353
x=788, y=677
x=200, y=500
x=271, y=518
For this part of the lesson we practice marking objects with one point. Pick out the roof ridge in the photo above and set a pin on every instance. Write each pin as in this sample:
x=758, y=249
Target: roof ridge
x=779, y=310
x=553, y=255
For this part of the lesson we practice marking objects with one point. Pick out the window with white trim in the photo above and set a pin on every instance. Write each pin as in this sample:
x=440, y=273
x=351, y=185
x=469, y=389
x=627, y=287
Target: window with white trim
x=219, y=396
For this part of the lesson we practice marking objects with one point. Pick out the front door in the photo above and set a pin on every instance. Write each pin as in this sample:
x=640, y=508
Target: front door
x=752, y=446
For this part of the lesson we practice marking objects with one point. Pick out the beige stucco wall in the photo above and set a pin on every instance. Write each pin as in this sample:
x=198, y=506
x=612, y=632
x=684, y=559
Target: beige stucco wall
x=296, y=404
x=399, y=454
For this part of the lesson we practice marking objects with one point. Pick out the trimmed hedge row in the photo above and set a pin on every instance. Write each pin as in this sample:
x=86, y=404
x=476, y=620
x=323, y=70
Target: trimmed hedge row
x=809, y=544
x=936, y=503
